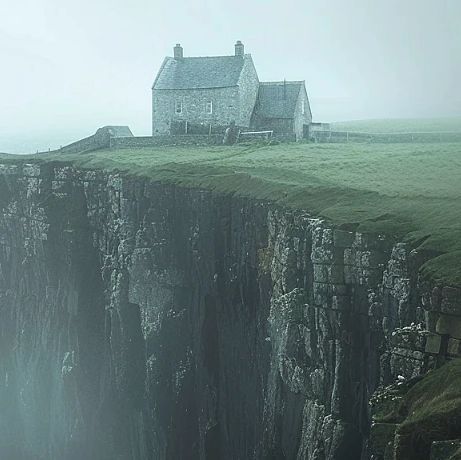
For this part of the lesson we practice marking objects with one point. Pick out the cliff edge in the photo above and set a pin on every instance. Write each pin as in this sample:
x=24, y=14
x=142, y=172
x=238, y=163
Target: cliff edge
x=145, y=318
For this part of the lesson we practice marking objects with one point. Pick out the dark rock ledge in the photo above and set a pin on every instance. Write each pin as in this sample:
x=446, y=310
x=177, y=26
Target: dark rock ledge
x=147, y=321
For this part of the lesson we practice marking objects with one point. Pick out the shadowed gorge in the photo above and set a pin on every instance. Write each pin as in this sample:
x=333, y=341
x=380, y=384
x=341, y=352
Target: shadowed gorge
x=149, y=320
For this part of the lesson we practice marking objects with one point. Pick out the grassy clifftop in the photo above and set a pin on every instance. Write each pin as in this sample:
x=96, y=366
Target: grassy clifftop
x=411, y=190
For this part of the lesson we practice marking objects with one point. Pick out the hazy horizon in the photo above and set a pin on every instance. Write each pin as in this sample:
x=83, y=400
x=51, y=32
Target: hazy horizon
x=71, y=68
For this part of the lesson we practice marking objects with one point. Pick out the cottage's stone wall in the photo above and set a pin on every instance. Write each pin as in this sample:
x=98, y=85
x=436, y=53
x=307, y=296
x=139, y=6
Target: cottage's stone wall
x=232, y=103
x=301, y=119
x=226, y=107
x=278, y=125
x=248, y=92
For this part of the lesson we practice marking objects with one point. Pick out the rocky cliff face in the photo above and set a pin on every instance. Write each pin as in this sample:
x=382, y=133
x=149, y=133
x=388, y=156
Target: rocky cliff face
x=141, y=321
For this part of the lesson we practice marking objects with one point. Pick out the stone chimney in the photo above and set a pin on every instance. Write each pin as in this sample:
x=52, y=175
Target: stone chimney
x=178, y=51
x=239, y=48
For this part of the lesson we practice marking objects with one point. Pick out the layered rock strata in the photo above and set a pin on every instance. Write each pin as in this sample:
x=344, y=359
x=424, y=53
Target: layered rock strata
x=142, y=320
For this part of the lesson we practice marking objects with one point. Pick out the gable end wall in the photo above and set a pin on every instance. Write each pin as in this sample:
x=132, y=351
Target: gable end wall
x=248, y=92
x=299, y=119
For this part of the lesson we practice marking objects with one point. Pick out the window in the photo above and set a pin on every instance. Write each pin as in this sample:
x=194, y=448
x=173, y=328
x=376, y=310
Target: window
x=178, y=107
x=209, y=107
x=303, y=107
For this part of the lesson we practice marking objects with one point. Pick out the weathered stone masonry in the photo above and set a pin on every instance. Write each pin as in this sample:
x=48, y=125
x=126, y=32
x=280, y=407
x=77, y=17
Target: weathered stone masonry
x=193, y=94
x=226, y=107
x=150, y=321
x=206, y=80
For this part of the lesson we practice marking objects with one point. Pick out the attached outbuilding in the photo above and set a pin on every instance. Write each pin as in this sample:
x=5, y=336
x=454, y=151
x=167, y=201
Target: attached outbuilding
x=283, y=107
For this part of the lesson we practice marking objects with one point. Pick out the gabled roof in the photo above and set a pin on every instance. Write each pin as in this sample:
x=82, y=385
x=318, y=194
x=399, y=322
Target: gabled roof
x=278, y=99
x=119, y=131
x=200, y=72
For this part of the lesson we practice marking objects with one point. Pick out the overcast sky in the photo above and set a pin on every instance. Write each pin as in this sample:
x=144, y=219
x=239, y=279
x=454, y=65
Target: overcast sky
x=67, y=68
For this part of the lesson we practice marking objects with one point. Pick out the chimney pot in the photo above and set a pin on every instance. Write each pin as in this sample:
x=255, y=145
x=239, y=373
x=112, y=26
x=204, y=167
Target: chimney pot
x=239, y=48
x=178, y=51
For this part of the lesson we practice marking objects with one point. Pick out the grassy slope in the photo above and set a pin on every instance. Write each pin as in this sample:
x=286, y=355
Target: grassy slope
x=410, y=190
x=432, y=409
x=401, y=125
x=437, y=395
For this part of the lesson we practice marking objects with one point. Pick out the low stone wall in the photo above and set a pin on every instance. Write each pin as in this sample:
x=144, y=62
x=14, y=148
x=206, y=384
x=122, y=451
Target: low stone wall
x=121, y=138
x=87, y=144
x=155, y=141
x=100, y=140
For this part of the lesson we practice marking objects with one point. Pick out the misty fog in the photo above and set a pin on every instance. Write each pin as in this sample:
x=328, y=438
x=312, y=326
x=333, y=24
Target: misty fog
x=69, y=68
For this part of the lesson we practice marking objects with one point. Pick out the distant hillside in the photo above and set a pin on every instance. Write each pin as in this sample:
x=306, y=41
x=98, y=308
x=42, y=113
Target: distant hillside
x=403, y=125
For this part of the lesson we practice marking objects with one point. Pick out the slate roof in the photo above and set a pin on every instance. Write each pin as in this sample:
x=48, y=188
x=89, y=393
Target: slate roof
x=278, y=99
x=119, y=131
x=200, y=72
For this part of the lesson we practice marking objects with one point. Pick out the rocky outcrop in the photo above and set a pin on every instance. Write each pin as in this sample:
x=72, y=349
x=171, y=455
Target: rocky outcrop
x=142, y=320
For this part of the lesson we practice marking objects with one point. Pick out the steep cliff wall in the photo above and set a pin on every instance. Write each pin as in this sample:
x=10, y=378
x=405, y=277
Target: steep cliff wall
x=142, y=320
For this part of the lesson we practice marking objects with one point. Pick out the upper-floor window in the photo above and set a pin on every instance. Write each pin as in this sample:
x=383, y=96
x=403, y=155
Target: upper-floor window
x=303, y=107
x=209, y=107
x=178, y=107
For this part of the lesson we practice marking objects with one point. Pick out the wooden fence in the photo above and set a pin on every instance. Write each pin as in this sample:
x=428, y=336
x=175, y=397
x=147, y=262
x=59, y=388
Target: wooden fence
x=416, y=137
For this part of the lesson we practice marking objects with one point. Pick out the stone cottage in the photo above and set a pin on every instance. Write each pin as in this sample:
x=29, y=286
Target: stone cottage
x=201, y=95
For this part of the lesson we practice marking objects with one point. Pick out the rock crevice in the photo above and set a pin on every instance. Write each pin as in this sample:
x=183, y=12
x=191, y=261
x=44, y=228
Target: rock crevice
x=145, y=321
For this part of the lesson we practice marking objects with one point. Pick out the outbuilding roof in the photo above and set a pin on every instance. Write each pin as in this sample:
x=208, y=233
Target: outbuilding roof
x=278, y=99
x=200, y=72
x=119, y=131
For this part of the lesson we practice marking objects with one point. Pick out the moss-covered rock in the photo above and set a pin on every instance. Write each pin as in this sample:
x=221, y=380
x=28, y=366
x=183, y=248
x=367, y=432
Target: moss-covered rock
x=446, y=450
x=432, y=412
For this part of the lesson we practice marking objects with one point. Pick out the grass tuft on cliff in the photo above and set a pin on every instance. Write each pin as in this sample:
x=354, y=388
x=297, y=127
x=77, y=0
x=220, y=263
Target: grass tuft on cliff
x=412, y=191
x=432, y=411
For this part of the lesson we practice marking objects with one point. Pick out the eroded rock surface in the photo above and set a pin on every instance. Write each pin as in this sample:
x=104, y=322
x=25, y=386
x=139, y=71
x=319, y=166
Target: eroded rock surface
x=149, y=321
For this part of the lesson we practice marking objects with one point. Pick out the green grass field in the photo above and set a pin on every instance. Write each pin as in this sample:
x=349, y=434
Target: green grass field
x=412, y=191
x=452, y=124
x=409, y=190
